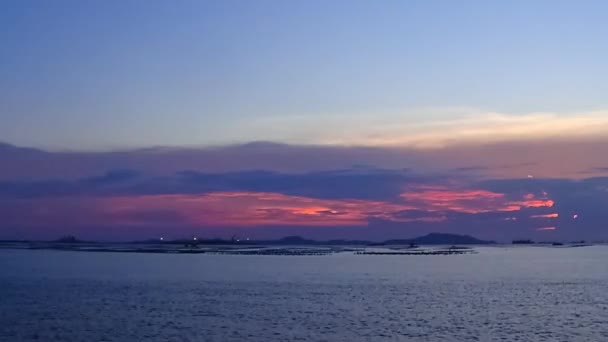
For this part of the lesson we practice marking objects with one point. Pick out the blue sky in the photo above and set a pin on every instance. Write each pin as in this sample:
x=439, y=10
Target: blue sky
x=118, y=74
x=329, y=119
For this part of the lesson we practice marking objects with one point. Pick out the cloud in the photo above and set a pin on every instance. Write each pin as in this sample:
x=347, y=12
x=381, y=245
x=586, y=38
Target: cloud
x=379, y=199
x=546, y=216
x=113, y=177
x=348, y=183
x=472, y=201
x=425, y=127
x=513, y=159
x=467, y=169
x=472, y=210
x=481, y=190
x=428, y=204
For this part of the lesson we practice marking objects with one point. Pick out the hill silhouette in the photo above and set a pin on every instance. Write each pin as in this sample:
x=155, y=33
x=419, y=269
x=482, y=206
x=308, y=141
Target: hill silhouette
x=429, y=239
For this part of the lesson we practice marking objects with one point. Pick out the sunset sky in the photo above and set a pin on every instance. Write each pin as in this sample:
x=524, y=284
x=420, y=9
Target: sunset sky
x=328, y=119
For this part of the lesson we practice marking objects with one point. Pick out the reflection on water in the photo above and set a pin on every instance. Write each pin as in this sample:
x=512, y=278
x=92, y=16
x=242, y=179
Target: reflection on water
x=499, y=294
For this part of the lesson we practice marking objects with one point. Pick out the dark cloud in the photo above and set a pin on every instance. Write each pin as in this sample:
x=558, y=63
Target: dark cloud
x=348, y=183
x=154, y=217
x=469, y=169
x=113, y=177
x=498, y=160
x=49, y=187
x=479, y=168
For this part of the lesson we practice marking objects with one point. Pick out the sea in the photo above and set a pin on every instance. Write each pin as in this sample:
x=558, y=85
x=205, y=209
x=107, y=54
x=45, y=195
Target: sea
x=502, y=293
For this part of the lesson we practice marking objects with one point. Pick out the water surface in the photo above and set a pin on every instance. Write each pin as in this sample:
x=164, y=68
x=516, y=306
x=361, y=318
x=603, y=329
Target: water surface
x=499, y=294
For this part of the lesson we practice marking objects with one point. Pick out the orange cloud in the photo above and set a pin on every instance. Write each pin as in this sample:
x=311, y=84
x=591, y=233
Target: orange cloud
x=260, y=208
x=546, y=229
x=536, y=203
x=552, y=215
x=421, y=204
x=265, y=208
x=469, y=201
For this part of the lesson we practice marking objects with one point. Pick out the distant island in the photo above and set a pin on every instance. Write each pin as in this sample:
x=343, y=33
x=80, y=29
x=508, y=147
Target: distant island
x=523, y=242
x=429, y=239
x=287, y=246
x=430, y=244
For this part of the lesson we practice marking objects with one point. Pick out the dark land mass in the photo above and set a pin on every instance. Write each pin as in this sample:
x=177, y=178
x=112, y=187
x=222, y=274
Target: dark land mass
x=429, y=239
x=447, y=244
x=523, y=242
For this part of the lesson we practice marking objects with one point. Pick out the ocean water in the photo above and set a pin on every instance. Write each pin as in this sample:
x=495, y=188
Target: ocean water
x=499, y=294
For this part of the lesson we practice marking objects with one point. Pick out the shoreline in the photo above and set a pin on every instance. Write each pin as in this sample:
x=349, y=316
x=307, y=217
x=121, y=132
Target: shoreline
x=293, y=250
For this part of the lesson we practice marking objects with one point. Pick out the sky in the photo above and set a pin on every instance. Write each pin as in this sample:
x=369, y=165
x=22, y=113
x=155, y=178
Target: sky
x=327, y=119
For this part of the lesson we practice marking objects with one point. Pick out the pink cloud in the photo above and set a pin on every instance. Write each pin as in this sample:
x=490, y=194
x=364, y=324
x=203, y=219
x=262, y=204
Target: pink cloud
x=469, y=201
x=552, y=215
x=244, y=209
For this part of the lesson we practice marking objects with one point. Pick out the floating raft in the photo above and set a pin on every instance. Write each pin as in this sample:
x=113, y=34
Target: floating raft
x=436, y=252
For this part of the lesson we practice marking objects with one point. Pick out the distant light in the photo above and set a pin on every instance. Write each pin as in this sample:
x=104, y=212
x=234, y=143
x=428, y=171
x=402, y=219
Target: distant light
x=237, y=240
x=161, y=239
x=194, y=239
x=575, y=216
x=530, y=176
